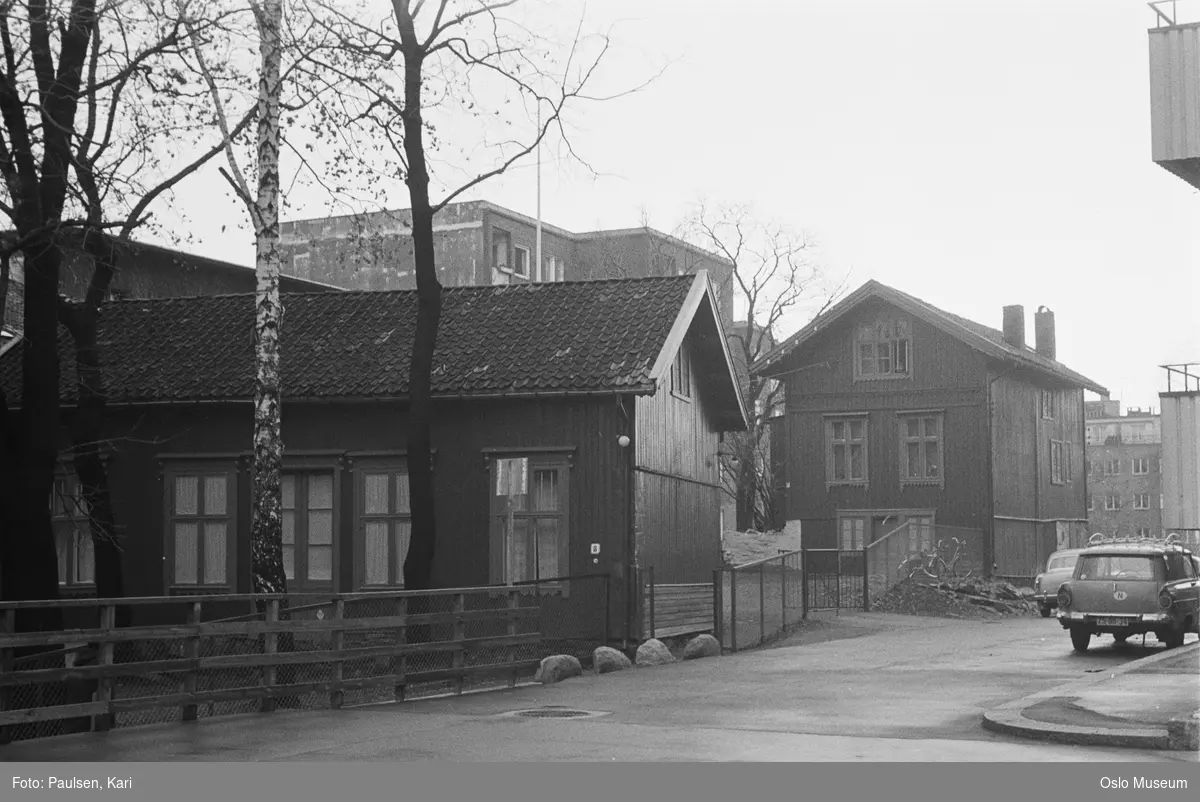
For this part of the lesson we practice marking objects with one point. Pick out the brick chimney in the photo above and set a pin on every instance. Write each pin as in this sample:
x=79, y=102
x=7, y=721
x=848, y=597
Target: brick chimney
x=1014, y=326
x=1043, y=332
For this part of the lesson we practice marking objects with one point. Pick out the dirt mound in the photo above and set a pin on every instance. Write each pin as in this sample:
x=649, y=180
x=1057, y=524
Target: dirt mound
x=746, y=547
x=966, y=598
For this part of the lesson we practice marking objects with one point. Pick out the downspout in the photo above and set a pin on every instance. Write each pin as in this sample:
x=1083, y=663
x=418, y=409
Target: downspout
x=632, y=581
x=991, y=462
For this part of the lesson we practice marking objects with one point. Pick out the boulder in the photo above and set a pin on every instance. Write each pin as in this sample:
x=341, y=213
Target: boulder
x=701, y=646
x=558, y=667
x=654, y=653
x=606, y=659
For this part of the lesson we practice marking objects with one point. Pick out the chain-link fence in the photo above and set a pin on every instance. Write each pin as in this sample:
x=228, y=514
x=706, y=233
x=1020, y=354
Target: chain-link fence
x=761, y=600
x=434, y=643
x=925, y=550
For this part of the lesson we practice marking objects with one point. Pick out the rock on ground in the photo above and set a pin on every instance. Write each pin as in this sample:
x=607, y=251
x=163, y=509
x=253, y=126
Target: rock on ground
x=558, y=667
x=606, y=659
x=654, y=653
x=701, y=646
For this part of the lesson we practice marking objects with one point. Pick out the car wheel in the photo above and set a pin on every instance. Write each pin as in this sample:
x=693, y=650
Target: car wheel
x=1045, y=612
x=1172, y=639
x=1080, y=638
x=1120, y=637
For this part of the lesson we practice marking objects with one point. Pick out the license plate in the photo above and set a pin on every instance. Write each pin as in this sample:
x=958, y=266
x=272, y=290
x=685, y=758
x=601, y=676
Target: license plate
x=1111, y=622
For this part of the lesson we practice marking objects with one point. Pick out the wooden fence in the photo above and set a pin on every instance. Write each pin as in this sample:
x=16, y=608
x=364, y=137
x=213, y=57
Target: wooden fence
x=383, y=640
x=677, y=609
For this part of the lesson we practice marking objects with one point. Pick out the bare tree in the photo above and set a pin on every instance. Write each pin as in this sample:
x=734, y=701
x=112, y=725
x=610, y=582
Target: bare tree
x=456, y=57
x=775, y=280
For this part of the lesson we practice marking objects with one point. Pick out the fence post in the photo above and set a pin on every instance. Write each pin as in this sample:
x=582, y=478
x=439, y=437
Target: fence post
x=336, y=696
x=8, y=627
x=510, y=654
x=762, y=602
x=270, y=646
x=104, y=688
x=459, y=635
x=804, y=583
x=783, y=594
x=733, y=609
x=191, y=650
x=401, y=639
x=718, y=607
x=607, y=606
x=866, y=582
x=653, y=629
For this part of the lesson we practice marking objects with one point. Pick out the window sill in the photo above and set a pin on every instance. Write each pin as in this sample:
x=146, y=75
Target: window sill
x=922, y=483
x=509, y=271
x=829, y=485
x=682, y=397
x=891, y=377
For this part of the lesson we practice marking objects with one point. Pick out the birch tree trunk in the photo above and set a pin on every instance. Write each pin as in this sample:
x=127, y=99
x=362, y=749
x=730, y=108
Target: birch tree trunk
x=266, y=528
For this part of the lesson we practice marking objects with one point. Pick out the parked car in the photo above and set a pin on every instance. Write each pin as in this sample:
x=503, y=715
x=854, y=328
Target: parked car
x=1059, y=568
x=1129, y=588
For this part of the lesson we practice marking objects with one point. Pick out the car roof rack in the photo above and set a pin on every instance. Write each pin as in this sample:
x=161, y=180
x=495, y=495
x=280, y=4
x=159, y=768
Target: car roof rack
x=1101, y=539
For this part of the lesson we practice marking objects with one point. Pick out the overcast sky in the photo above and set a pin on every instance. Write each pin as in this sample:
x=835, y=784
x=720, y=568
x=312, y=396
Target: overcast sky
x=974, y=154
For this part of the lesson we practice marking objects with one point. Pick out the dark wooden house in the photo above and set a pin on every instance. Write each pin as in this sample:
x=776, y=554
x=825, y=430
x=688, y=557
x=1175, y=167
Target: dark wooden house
x=897, y=411
x=577, y=430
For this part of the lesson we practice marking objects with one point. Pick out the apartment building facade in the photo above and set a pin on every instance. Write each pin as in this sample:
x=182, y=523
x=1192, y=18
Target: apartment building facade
x=1124, y=469
x=480, y=243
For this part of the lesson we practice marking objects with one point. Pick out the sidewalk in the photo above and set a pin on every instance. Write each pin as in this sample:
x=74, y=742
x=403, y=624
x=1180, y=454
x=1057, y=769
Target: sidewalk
x=1151, y=703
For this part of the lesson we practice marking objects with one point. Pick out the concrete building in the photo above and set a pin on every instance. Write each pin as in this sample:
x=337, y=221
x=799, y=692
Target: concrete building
x=480, y=243
x=1181, y=454
x=1123, y=467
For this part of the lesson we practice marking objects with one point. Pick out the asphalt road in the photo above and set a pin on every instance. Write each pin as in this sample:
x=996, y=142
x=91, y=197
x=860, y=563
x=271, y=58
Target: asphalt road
x=865, y=686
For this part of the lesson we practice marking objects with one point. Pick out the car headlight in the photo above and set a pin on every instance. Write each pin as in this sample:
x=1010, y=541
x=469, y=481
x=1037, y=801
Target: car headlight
x=1165, y=599
x=1064, y=597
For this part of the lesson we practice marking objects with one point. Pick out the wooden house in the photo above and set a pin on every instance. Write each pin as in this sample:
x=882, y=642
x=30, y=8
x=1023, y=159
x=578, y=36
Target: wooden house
x=897, y=411
x=576, y=432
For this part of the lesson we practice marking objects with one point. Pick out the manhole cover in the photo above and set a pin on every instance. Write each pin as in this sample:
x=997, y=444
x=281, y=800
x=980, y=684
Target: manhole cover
x=553, y=713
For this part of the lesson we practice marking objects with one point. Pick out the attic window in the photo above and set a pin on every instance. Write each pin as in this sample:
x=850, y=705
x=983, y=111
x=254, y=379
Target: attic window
x=882, y=350
x=681, y=374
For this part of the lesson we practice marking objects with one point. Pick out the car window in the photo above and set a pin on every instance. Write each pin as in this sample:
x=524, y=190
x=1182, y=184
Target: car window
x=1116, y=566
x=1059, y=563
x=1177, y=567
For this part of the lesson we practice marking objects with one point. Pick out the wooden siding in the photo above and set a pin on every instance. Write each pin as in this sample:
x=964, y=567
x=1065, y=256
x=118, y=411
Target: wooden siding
x=677, y=436
x=1174, y=110
x=675, y=610
x=677, y=528
x=1181, y=459
x=600, y=475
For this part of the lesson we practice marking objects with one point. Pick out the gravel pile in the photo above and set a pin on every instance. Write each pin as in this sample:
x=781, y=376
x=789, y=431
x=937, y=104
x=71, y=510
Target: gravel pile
x=966, y=598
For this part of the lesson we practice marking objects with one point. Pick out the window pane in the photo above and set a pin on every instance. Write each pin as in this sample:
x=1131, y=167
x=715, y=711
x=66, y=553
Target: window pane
x=839, y=430
x=320, y=562
x=85, y=557
x=214, y=552
x=214, y=495
x=933, y=459
x=856, y=462
x=403, y=530
x=185, y=552
x=187, y=495
x=289, y=562
x=320, y=491
x=375, y=553
x=58, y=498
x=902, y=356
x=511, y=477
x=931, y=427
x=866, y=360
x=63, y=546
x=856, y=430
x=288, y=486
x=320, y=527
x=911, y=425
x=520, y=551
x=914, y=460
x=885, y=358
x=545, y=489
x=376, y=494
x=547, y=545
x=289, y=526
x=403, y=503
x=839, y=463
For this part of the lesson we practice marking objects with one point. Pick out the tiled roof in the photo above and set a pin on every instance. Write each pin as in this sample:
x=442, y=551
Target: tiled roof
x=982, y=338
x=573, y=337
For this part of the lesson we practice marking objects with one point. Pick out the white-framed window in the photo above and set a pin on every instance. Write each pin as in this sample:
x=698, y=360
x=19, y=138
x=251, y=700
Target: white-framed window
x=1140, y=466
x=529, y=501
x=501, y=245
x=308, y=529
x=921, y=448
x=1051, y=404
x=920, y=533
x=1141, y=501
x=1143, y=531
x=383, y=528
x=521, y=261
x=882, y=350
x=553, y=269
x=201, y=513
x=681, y=374
x=1056, y=462
x=69, y=517
x=846, y=450
x=852, y=534
x=1112, y=502
x=1112, y=467
x=301, y=264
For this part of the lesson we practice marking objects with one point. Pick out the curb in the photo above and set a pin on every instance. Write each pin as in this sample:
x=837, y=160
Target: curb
x=1180, y=734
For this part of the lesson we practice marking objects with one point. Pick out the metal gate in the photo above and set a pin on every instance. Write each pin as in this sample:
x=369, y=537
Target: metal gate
x=835, y=580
